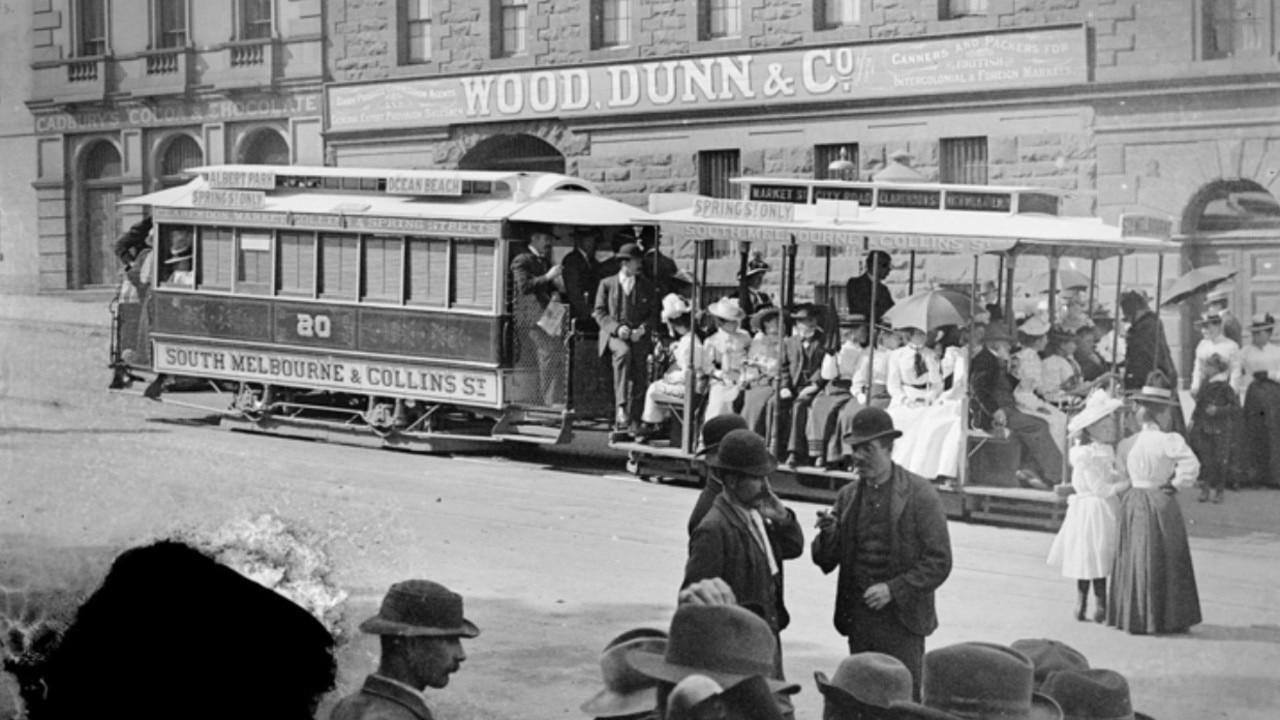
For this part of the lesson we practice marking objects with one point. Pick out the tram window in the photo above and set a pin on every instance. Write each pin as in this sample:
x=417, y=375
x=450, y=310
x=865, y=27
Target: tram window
x=339, y=262
x=297, y=264
x=253, y=263
x=215, y=259
x=473, y=273
x=383, y=269
x=428, y=272
x=175, y=254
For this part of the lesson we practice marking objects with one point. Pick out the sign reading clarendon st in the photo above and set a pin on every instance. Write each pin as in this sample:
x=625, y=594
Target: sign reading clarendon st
x=424, y=382
x=170, y=113
x=855, y=71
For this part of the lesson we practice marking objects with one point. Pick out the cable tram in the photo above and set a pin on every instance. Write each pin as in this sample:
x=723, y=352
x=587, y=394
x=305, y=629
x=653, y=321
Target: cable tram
x=362, y=304
x=988, y=231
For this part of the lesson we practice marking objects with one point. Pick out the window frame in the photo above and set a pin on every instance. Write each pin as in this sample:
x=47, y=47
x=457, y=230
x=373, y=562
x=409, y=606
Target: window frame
x=321, y=291
x=820, y=171
x=822, y=14
x=199, y=266
x=501, y=33
x=708, y=10
x=707, y=184
x=448, y=280
x=947, y=172
x=409, y=23
x=454, y=282
x=244, y=24
x=601, y=23
x=240, y=286
x=158, y=30
x=82, y=40
x=947, y=9
x=1205, y=26
x=313, y=241
x=394, y=298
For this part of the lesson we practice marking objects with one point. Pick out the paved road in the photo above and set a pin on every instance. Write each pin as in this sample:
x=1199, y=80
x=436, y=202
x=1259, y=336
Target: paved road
x=553, y=562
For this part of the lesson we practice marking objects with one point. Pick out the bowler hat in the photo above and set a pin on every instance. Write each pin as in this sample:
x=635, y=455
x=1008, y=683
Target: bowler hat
x=997, y=332
x=1261, y=321
x=631, y=251
x=869, y=424
x=983, y=681
x=744, y=451
x=760, y=318
x=714, y=430
x=1048, y=656
x=806, y=311
x=727, y=643
x=1210, y=318
x=867, y=678
x=1091, y=695
x=1157, y=390
x=626, y=690
x=420, y=607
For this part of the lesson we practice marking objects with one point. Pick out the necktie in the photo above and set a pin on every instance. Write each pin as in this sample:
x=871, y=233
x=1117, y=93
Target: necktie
x=762, y=537
x=922, y=370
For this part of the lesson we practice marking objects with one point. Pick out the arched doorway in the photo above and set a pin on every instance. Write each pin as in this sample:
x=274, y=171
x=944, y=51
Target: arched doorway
x=98, y=222
x=179, y=154
x=524, y=153
x=265, y=146
x=1237, y=223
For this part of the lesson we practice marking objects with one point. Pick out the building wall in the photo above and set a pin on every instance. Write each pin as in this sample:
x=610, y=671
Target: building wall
x=19, y=258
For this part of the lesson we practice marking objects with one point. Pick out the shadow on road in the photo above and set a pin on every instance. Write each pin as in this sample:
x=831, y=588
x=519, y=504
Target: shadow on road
x=1231, y=633
x=76, y=431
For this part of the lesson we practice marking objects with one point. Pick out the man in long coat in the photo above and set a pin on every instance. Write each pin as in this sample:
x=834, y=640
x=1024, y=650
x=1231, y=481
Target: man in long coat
x=535, y=282
x=888, y=536
x=581, y=278
x=1147, y=350
x=627, y=307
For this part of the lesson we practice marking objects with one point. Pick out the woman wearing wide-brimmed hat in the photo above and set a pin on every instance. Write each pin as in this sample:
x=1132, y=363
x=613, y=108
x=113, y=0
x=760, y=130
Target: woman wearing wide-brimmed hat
x=677, y=315
x=760, y=372
x=1028, y=368
x=726, y=355
x=837, y=371
x=1260, y=387
x=1153, y=583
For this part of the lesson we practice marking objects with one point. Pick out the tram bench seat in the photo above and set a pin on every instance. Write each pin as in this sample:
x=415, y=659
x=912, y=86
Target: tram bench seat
x=994, y=458
x=674, y=405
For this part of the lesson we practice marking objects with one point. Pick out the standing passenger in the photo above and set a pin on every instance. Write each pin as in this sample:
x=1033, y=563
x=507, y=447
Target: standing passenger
x=535, y=281
x=581, y=277
x=859, y=289
x=627, y=307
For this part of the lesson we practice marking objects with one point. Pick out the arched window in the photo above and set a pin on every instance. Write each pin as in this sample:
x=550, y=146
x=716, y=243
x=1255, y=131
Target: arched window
x=102, y=161
x=1233, y=206
x=265, y=147
x=93, y=262
x=513, y=152
x=181, y=153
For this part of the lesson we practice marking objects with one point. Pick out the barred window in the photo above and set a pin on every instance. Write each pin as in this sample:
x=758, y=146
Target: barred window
x=964, y=160
x=339, y=265
x=1233, y=28
x=513, y=23
x=715, y=167
x=719, y=19
x=824, y=155
x=610, y=23
x=214, y=270
x=382, y=268
x=297, y=264
x=473, y=274
x=91, y=27
x=417, y=25
x=963, y=8
x=428, y=271
x=837, y=13
x=255, y=19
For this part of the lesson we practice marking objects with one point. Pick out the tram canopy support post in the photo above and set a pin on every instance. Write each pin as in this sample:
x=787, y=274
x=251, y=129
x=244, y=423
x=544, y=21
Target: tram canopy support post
x=1115, y=324
x=744, y=296
x=1009, y=268
x=911, y=275
x=826, y=277
x=1053, y=288
x=781, y=434
x=873, y=320
x=687, y=430
x=1093, y=281
x=1000, y=284
x=962, y=470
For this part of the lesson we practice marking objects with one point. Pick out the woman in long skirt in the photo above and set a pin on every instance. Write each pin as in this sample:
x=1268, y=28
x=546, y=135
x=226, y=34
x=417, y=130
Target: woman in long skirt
x=837, y=370
x=1260, y=386
x=1085, y=548
x=1153, y=584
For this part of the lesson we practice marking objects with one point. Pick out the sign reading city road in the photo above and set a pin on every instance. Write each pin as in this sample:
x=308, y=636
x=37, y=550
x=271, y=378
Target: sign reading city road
x=992, y=61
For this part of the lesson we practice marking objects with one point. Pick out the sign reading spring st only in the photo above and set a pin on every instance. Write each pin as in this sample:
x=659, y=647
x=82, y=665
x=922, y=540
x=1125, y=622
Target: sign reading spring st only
x=849, y=72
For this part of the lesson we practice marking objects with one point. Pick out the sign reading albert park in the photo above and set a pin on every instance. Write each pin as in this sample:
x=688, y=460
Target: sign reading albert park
x=849, y=72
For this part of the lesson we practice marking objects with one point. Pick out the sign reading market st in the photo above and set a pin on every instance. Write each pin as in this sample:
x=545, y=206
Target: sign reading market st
x=850, y=72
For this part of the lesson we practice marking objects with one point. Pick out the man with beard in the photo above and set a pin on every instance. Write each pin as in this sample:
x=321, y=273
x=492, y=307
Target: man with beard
x=421, y=628
x=888, y=535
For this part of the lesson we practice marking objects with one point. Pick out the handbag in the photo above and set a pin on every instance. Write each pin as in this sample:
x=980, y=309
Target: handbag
x=552, y=320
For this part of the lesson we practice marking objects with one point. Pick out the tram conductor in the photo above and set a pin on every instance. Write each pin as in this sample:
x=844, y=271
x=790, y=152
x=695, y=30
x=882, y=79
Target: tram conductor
x=627, y=306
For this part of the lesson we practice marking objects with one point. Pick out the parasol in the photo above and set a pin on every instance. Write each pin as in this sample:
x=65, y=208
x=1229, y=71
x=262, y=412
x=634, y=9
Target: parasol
x=1068, y=279
x=1197, y=281
x=930, y=310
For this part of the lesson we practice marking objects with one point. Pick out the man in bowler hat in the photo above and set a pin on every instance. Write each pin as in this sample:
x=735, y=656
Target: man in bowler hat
x=888, y=535
x=535, y=282
x=421, y=626
x=626, y=309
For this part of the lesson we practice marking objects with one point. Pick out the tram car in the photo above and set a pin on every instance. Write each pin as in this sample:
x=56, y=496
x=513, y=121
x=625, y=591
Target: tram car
x=368, y=304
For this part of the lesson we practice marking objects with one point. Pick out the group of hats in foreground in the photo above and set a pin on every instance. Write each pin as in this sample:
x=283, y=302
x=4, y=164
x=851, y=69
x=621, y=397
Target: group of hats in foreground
x=717, y=659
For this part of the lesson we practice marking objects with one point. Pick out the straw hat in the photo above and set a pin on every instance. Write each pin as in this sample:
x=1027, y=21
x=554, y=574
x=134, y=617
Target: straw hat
x=1261, y=321
x=1098, y=405
x=1034, y=326
x=727, y=308
x=673, y=306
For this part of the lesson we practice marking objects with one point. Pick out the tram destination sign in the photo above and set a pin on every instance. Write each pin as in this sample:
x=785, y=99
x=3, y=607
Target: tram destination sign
x=849, y=72
x=425, y=382
x=836, y=237
x=226, y=212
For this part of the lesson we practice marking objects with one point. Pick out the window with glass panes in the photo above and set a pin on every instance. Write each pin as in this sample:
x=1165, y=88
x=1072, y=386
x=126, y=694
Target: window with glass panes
x=215, y=260
x=171, y=23
x=339, y=266
x=473, y=274
x=715, y=167
x=428, y=275
x=840, y=13
x=720, y=18
x=824, y=155
x=1233, y=28
x=383, y=268
x=964, y=8
x=612, y=21
x=417, y=27
x=253, y=262
x=513, y=18
x=297, y=253
x=91, y=27
x=964, y=160
x=255, y=19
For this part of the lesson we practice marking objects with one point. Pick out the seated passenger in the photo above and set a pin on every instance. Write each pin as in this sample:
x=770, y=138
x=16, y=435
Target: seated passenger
x=177, y=270
x=726, y=354
x=1090, y=361
x=913, y=376
x=995, y=406
x=875, y=395
x=937, y=439
x=760, y=373
x=1028, y=368
x=837, y=373
x=677, y=316
x=1062, y=379
x=802, y=359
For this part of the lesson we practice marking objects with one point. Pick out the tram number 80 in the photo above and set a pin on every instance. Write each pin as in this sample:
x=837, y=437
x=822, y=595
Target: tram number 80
x=314, y=325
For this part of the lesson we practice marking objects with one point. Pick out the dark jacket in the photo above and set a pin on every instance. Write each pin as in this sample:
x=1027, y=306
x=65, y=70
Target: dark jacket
x=1146, y=349
x=858, y=297
x=613, y=309
x=919, y=552
x=133, y=241
x=379, y=699
x=991, y=387
x=581, y=280
x=532, y=290
x=801, y=368
x=661, y=270
x=722, y=546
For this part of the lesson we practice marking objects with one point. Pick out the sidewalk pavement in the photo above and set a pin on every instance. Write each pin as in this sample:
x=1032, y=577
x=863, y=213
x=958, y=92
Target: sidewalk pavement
x=90, y=308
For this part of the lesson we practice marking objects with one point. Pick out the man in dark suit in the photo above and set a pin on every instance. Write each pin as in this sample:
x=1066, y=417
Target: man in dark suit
x=535, y=281
x=627, y=306
x=748, y=533
x=581, y=277
x=858, y=291
x=657, y=266
x=802, y=357
x=888, y=535
x=755, y=300
x=991, y=386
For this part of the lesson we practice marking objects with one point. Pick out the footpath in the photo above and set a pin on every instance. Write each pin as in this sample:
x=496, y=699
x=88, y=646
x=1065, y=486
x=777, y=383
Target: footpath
x=81, y=309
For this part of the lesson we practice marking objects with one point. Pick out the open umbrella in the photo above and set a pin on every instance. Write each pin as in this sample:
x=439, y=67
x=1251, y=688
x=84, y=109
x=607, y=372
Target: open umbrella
x=930, y=310
x=1199, y=280
x=1068, y=279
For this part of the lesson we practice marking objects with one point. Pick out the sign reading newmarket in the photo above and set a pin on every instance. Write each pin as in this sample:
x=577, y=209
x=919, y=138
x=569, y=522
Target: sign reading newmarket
x=854, y=71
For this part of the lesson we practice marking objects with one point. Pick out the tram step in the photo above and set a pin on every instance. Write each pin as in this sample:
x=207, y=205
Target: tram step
x=538, y=434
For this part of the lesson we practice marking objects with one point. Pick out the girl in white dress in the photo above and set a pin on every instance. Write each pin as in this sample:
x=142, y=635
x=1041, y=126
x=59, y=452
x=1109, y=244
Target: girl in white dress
x=1085, y=548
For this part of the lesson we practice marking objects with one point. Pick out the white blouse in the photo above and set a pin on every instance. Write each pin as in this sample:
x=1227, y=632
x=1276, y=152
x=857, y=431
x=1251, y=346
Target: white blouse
x=903, y=381
x=727, y=352
x=843, y=363
x=1154, y=457
x=1254, y=360
x=1096, y=472
x=1228, y=349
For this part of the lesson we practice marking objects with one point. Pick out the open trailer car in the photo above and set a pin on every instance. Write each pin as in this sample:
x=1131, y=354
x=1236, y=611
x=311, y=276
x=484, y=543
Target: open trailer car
x=824, y=221
x=362, y=304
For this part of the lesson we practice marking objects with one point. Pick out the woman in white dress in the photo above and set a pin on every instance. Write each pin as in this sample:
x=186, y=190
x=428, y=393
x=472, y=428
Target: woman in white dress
x=726, y=355
x=1033, y=336
x=1085, y=548
x=676, y=313
x=1153, y=584
x=760, y=372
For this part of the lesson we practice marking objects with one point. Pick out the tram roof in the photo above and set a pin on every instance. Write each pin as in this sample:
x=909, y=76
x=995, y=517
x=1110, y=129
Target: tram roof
x=687, y=217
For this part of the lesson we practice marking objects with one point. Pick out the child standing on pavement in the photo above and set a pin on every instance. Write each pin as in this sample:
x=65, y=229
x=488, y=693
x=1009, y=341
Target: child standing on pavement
x=1215, y=427
x=1085, y=547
